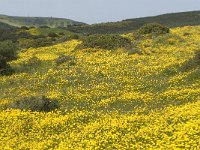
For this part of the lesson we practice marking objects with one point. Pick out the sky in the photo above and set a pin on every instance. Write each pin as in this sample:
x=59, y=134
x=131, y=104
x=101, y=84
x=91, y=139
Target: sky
x=95, y=11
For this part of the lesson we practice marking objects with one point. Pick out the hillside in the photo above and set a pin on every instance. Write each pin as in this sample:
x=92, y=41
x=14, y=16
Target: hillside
x=170, y=20
x=37, y=21
x=108, y=99
x=4, y=26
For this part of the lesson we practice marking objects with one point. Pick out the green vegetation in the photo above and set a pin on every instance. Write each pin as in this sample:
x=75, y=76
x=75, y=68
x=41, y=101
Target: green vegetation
x=192, y=63
x=63, y=59
x=168, y=39
x=35, y=104
x=46, y=31
x=26, y=37
x=8, y=52
x=4, y=26
x=153, y=29
x=105, y=41
x=169, y=20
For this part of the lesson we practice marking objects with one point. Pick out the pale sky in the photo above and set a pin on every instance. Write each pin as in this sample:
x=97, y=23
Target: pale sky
x=95, y=11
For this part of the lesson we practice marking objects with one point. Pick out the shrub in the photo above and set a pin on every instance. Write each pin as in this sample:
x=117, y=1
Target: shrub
x=35, y=43
x=62, y=39
x=133, y=51
x=24, y=35
x=61, y=33
x=193, y=62
x=62, y=59
x=31, y=27
x=34, y=61
x=53, y=35
x=8, y=52
x=36, y=104
x=8, y=35
x=44, y=27
x=74, y=36
x=104, y=42
x=24, y=28
x=5, y=68
x=25, y=43
x=41, y=42
x=154, y=29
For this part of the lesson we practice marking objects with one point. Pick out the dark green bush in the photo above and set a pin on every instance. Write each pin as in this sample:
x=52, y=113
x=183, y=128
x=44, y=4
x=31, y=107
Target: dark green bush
x=25, y=35
x=62, y=39
x=154, y=29
x=8, y=52
x=36, y=104
x=42, y=42
x=35, y=43
x=24, y=28
x=8, y=35
x=74, y=36
x=5, y=69
x=53, y=35
x=61, y=33
x=44, y=27
x=104, y=41
x=62, y=59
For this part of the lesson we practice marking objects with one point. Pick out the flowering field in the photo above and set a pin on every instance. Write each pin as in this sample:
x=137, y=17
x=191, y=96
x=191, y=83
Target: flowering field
x=109, y=99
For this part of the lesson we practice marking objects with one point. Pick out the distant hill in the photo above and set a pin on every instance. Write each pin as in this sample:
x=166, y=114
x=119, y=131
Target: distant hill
x=4, y=26
x=38, y=21
x=170, y=20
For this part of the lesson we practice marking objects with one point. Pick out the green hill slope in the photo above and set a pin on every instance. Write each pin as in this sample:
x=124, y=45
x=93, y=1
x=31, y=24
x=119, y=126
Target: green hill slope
x=170, y=20
x=37, y=21
x=4, y=26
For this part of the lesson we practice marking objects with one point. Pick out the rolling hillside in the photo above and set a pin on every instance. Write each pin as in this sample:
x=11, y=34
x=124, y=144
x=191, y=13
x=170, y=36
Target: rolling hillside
x=108, y=99
x=37, y=21
x=170, y=20
x=4, y=26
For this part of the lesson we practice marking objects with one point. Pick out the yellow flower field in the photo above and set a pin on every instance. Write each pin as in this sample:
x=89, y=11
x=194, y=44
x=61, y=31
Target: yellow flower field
x=109, y=99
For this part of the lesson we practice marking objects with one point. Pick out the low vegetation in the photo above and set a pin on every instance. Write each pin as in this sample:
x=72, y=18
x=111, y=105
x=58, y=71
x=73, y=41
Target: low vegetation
x=170, y=20
x=8, y=52
x=192, y=63
x=153, y=29
x=38, y=104
x=105, y=41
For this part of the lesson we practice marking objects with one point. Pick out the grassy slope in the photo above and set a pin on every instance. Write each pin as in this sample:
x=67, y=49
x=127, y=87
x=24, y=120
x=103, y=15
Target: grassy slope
x=110, y=100
x=170, y=20
x=4, y=26
x=37, y=21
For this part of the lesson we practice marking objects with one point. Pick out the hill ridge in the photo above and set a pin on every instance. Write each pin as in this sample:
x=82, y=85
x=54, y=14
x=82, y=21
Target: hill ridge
x=19, y=21
x=170, y=19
